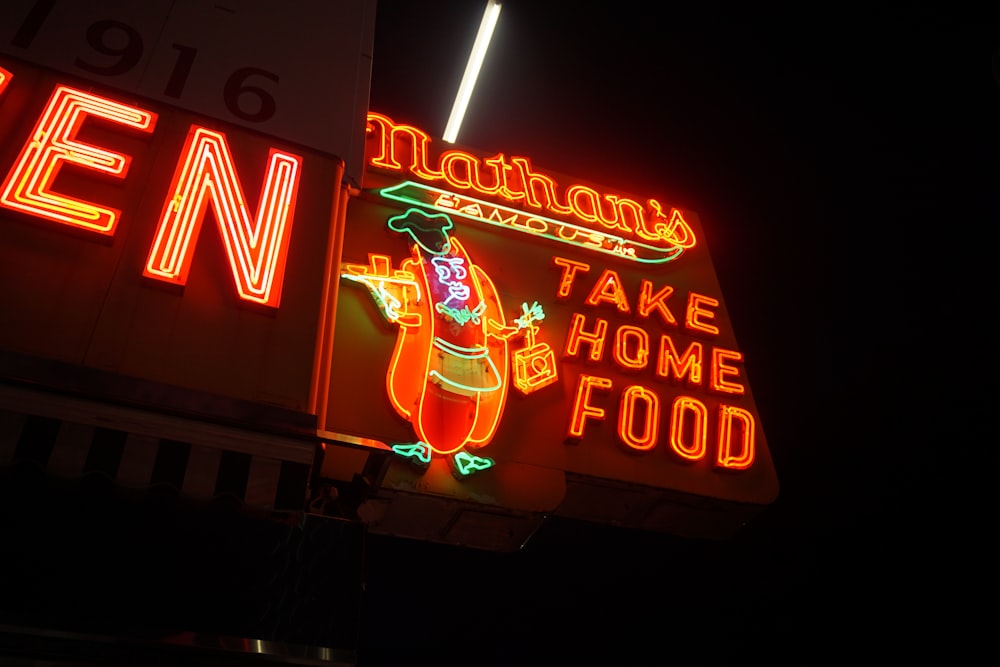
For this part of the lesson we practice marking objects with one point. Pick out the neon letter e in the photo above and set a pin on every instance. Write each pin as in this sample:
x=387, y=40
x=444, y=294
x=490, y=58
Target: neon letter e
x=53, y=142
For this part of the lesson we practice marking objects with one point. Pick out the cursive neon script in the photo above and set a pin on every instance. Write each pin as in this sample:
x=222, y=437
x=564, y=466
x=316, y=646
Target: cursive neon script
x=406, y=148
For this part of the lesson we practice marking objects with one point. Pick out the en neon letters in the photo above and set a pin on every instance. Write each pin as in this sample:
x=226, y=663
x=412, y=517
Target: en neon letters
x=205, y=176
x=256, y=249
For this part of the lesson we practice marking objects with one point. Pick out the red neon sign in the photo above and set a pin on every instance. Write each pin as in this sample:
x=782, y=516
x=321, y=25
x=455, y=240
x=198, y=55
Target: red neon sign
x=647, y=385
x=256, y=250
x=404, y=148
x=205, y=174
x=450, y=366
x=450, y=369
x=53, y=143
x=639, y=411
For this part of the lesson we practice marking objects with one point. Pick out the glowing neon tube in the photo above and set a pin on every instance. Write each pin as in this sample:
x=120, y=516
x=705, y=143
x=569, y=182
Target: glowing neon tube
x=486, y=27
x=436, y=199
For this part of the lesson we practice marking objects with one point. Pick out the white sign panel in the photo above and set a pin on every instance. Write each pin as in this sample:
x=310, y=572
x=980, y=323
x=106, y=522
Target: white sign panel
x=298, y=70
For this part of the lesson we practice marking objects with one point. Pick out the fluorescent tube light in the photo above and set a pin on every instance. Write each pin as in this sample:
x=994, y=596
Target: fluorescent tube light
x=483, y=37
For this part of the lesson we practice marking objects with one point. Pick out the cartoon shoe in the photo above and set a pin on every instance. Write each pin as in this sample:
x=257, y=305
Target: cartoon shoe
x=418, y=453
x=464, y=464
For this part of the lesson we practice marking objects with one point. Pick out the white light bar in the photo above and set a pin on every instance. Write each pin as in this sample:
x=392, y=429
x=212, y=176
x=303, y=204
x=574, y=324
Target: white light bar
x=483, y=37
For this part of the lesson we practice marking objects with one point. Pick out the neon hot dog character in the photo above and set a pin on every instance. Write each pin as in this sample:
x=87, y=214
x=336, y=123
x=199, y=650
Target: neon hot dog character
x=450, y=366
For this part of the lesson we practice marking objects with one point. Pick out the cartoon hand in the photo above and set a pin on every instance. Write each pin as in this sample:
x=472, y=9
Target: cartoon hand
x=534, y=313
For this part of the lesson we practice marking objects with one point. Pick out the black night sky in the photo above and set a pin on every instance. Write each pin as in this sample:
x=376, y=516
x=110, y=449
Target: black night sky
x=845, y=167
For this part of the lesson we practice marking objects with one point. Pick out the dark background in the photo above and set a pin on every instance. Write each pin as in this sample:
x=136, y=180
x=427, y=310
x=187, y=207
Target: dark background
x=845, y=168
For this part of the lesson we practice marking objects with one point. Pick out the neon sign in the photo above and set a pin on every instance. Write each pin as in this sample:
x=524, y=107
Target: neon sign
x=450, y=369
x=668, y=331
x=452, y=361
x=435, y=199
x=256, y=250
x=611, y=223
x=4, y=79
x=205, y=176
x=639, y=407
x=53, y=143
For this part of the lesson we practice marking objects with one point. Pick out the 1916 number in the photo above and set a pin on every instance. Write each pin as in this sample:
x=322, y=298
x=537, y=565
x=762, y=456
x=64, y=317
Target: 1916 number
x=119, y=47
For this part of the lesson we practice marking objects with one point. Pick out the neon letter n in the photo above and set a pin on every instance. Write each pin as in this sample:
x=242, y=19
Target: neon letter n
x=256, y=249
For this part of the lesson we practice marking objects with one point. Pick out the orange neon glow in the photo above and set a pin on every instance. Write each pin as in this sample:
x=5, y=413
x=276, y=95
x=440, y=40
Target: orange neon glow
x=674, y=227
x=650, y=426
x=437, y=423
x=585, y=202
x=609, y=289
x=533, y=184
x=256, y=249
x=631, y=347
x=577, y=335
x=391, y=289
x=582, y=409
x=721, y=371
x=461, y=167
x=515, y=180
x=535, y=363
x=648, y=301
x=450, y=368
x=687, y=410
x=402, y=384
x=446, y=417
x=5, y=78
x=747, y=452
x=53, y=143
x=697, y=313
x=534, y=368
x=680, y=366
x=568, y=275
x=387, y=157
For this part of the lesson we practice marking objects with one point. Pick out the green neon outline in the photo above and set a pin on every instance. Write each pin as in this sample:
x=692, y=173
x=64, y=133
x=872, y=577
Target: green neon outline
x=467, y=464
x=382, y=296
x=466, y=353
x=461, y=351
x=392, y=192
x=462, y=315
x=444, y=229
x=419, y=450
x=533, y=314
x=459, y=385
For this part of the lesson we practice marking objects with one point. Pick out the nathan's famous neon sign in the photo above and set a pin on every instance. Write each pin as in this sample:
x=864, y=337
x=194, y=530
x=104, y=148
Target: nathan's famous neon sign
x=449, y=371
x=205, y=175
x=604, y=222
